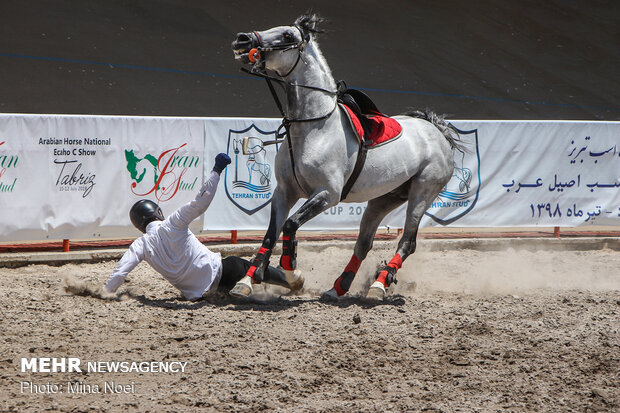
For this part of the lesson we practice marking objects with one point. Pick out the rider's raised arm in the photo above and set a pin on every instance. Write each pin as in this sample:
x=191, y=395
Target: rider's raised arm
x=183, y=216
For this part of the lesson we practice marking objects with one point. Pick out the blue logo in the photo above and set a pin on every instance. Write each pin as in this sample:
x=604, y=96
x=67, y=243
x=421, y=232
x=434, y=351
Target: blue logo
x=460, y=195
x=249, y=180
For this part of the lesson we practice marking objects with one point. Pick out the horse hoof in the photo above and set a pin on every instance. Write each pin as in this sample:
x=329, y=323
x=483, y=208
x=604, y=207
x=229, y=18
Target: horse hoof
x=330, y=295
x=295, y=279
x=243, y=288
x=376, y=291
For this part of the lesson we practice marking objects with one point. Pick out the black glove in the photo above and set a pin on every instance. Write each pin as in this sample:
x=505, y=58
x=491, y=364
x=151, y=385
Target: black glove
x=221, y=161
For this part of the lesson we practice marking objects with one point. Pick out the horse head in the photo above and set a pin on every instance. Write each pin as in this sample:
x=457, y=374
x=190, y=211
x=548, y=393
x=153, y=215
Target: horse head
x=279, y=48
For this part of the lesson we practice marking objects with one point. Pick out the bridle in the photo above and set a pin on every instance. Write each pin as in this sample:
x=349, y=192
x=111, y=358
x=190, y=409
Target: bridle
x=256, y=55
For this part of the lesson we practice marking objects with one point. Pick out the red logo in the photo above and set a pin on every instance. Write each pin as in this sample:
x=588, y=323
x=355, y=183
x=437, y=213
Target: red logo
x=167, y=173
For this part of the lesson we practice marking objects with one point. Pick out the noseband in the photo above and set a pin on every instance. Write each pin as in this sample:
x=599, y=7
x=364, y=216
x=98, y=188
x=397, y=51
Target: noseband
x=256, y=55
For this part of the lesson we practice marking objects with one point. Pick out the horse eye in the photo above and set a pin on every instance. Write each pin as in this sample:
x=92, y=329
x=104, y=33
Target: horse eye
x=288, y=36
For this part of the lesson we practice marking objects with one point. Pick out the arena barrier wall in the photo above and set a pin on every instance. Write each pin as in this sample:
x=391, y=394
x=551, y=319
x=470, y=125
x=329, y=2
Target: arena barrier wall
x=74, y=176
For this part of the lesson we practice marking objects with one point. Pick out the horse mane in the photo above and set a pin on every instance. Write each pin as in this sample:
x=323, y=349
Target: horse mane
x=309, y=23
x=446, y=128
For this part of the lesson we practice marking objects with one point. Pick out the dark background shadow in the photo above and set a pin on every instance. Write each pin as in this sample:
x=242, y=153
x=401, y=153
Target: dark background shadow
x=490, y=59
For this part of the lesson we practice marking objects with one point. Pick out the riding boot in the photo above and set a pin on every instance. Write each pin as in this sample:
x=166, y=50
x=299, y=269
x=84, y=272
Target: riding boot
x=275, y=276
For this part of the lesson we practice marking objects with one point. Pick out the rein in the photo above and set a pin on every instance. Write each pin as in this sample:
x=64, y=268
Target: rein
x=256, y=56
x=286, y=121
x=271, y=79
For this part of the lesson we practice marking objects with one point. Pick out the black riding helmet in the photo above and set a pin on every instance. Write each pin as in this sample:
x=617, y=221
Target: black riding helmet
x=143, y=213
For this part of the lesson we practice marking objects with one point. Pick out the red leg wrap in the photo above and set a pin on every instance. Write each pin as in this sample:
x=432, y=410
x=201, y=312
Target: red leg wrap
x=285, y=263
x=257, y=261
x=382, y=277
x=343, y=283
x=353, y=265
x=338, y=287
x=250, y=272
x=395, y=263
x=288, y=259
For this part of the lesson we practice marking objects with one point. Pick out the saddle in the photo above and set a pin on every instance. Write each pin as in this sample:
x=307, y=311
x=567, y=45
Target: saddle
x=371, y=126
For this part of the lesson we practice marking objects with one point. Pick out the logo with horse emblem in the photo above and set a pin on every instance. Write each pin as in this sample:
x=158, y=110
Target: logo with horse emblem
x=460, y=195
x=249, y=180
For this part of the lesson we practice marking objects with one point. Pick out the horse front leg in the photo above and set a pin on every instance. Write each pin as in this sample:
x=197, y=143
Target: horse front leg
x=311, y=208
x=280, y=206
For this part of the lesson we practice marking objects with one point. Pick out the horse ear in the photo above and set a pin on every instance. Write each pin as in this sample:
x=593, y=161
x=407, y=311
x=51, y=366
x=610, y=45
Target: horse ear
x=309, y=23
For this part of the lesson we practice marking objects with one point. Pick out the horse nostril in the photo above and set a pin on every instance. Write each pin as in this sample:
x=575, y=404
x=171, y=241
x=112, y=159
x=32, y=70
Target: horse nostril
x=243, y=37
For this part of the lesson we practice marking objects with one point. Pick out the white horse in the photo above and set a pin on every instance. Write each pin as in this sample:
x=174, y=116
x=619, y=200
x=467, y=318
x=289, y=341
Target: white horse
x=321, y=152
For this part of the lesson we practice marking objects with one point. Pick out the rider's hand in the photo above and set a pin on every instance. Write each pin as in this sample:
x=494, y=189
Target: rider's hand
x=221, y=161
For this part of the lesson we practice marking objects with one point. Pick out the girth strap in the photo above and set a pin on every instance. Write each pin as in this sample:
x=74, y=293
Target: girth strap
x=359, y=165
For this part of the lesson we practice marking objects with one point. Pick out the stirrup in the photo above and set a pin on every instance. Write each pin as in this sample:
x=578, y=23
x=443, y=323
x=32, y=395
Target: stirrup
x=376, y=291
x=243, y=288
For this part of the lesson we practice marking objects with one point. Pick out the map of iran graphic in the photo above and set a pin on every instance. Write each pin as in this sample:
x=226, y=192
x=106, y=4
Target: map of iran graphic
x=162, y=175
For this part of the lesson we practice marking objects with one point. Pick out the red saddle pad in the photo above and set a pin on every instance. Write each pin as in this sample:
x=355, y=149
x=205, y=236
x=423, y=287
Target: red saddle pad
x=382, y=129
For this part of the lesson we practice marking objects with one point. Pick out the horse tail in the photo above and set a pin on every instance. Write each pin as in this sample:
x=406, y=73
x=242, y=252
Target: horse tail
x=448, y=130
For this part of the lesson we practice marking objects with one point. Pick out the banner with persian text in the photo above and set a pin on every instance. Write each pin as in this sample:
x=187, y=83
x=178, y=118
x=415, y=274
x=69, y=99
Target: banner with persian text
x=540, y=174
x=77, y=176
x=512, y=173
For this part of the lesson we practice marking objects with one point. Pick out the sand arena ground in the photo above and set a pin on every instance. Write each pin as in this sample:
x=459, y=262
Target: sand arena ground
x=463, y=330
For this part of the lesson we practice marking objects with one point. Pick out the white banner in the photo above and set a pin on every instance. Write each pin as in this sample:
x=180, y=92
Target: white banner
x=514, y=173
x=538, y=174
x=77, y=176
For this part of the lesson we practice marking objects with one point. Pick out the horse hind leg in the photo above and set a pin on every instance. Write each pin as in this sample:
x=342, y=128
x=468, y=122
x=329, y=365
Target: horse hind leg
x=420, y=197
x=376, y=210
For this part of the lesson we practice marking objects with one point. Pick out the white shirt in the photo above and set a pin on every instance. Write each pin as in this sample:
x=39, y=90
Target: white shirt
x=174, y=251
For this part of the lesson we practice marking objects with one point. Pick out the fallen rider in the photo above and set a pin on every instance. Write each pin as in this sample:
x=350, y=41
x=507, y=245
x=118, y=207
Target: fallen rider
x=173, y=250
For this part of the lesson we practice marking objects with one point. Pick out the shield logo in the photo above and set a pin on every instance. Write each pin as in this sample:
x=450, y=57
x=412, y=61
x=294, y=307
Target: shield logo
x=249, y=181
x=460, y=195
